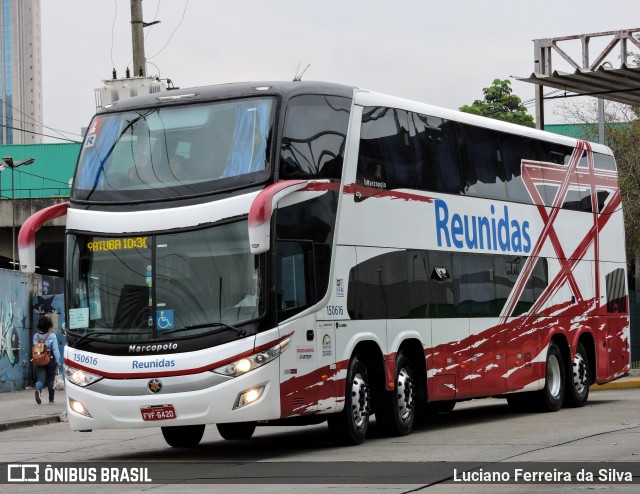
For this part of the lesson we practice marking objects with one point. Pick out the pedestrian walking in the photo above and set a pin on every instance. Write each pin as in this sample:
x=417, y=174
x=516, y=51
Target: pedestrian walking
x=45, y=374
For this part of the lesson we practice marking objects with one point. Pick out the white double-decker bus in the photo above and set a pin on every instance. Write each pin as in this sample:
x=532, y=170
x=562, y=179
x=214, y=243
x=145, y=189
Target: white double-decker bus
x=272, y=253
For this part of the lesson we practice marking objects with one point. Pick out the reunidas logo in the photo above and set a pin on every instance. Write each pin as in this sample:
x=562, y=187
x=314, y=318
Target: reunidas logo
x=496, y=231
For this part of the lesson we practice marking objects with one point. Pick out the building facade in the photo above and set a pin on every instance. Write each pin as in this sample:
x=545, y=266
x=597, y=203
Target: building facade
x=21, y=72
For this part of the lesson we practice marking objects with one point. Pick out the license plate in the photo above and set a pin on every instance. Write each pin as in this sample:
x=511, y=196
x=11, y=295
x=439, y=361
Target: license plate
x=160, y=412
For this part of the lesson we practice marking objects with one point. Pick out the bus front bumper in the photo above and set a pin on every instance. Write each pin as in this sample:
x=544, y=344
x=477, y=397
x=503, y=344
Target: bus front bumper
x=203, y=398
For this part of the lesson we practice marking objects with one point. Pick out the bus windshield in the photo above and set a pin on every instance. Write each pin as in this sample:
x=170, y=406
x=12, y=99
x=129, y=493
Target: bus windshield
x=160, y=286
x=160, y=153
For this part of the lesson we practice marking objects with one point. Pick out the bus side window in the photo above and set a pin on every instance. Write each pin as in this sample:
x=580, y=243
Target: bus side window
x=441, y=291
x=481, y=162
x=314, y=137
x=384, y=158
x=379, y=287
x=296, y=283
x=435, y=153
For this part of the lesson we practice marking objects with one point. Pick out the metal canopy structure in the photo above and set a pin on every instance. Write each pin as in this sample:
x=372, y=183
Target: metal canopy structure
x=598, y=78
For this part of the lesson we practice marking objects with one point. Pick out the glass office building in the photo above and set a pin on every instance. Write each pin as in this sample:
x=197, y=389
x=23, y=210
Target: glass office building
x=21, y=72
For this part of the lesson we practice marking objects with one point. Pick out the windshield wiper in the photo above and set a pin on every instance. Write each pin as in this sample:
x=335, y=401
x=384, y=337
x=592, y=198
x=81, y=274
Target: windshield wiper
x=241, y=332
x=88, y=336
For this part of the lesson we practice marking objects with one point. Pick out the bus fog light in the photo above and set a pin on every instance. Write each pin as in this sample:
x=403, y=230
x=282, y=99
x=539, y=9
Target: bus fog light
x=249, y=396
x=78, y=407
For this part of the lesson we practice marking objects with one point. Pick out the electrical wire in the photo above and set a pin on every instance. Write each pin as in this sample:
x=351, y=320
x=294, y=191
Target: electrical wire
x=186, y=4
x=113, y=27
x=39, y=133
x=58, y=131
x=155, y=17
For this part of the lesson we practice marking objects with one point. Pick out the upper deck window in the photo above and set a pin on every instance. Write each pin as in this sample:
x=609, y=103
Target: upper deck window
x=159, y=153
x=314, y=136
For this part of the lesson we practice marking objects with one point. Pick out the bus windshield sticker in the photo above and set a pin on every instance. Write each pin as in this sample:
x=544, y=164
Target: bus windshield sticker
x=164, y=319
x=92, y=134
x=339, y=287
x=79, y=318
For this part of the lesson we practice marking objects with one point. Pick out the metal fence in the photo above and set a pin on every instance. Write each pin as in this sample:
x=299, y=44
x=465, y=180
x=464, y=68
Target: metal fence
x=634, y=312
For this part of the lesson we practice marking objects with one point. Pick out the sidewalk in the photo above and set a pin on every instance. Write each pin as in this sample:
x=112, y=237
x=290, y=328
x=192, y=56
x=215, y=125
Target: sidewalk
x=19, y=408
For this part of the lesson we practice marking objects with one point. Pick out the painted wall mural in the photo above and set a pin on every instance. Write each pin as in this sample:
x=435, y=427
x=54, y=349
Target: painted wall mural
x=22, y=299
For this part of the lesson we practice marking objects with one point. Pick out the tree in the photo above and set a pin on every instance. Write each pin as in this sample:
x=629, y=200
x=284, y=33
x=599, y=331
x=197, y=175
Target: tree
x=501, y=104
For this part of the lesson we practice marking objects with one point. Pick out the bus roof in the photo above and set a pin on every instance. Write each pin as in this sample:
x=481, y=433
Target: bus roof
x=230, y=90
x=288, y=89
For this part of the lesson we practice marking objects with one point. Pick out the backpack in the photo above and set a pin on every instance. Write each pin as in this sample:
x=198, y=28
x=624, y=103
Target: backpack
x=40, y=353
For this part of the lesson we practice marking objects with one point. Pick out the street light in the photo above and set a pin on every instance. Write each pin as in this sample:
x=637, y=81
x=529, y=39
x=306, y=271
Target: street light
x=8, y=161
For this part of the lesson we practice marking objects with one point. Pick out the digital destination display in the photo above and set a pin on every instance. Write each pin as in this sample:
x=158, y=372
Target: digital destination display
x=118, y=244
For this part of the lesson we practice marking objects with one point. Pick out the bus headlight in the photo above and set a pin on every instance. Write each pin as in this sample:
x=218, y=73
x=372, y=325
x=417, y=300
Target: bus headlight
x=80, y=377
x=244, y=365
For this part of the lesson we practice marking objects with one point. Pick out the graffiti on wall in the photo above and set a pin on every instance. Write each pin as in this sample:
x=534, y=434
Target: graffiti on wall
x=19, y=313
x=15, y=364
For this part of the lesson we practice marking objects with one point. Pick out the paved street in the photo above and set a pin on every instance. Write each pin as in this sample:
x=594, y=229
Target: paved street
x=607, y=429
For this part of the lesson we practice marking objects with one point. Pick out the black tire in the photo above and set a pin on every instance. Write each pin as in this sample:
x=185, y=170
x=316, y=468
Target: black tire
x=578, y=379
x=350, y=426
x=237, y=430
x=551, y=397
x=183, y=436
x=399, y=406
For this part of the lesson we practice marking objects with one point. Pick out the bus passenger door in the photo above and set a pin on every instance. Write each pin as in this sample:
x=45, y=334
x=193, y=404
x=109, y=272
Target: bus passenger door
x=299, y=376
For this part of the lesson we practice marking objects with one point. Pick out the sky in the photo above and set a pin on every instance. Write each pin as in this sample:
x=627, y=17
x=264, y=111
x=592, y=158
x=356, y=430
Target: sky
x=442, y=52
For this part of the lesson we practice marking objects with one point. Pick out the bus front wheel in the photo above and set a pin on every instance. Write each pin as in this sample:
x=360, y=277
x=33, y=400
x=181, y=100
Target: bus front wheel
x=350, y=426
x=183, y=436
x=237, y=430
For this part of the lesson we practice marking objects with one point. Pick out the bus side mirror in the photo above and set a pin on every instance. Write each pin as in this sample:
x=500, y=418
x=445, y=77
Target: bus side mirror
x=262, y=210
x=27, y=235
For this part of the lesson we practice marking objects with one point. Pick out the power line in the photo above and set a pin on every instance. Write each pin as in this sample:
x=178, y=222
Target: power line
x=66, y=184
x=113, y=26
x=61, y=132
x=39, y=133
x=186, y=4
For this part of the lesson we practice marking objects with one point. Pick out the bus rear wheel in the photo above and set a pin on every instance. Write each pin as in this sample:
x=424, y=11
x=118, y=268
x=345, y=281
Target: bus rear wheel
x=183, y=436
x=551, y=397
x=399, y=406
x=350, y=426
x=237, y=430
x=578, y=379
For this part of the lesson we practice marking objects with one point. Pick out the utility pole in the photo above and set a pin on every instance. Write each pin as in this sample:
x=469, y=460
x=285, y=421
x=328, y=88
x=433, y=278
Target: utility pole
x=137, y=39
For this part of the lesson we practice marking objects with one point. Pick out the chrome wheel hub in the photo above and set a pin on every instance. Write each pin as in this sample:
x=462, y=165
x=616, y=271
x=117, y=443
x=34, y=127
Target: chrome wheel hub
x=405, y=392
x=359, y=401
x=554, y=376
x=579, y=373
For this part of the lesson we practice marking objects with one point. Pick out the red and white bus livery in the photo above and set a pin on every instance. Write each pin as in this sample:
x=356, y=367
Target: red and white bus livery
x=272, y=253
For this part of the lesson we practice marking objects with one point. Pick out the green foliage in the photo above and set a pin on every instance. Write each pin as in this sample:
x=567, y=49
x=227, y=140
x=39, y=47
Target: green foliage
x=501, y=104
x=624, y=140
